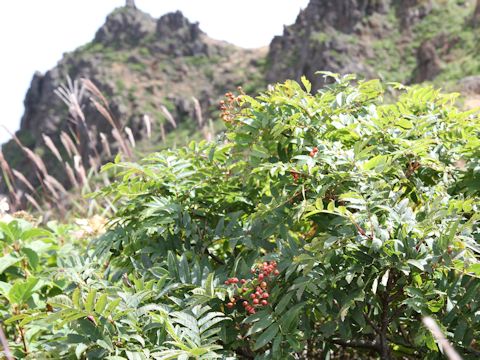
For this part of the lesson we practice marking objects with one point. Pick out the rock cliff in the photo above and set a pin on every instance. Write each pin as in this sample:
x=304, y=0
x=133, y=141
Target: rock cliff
x=408, y=41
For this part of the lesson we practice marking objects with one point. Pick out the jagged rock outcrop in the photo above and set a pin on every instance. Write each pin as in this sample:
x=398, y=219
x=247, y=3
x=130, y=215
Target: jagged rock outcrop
x=470, y=85
x=347, y=36
x=316, y=42
x=476, y=14
x=411, y=12
x=125, y=27
x=428, y=62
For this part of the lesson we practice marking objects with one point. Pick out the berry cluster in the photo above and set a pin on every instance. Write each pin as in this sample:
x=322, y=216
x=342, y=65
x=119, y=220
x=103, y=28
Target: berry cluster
x=229, y=106
x=253, y=293
x=314, y=151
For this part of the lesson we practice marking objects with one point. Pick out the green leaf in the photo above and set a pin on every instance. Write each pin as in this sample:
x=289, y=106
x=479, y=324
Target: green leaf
x=307, y=84
x=266, y=336
x=376, y=162
x=475, y=268
x=89, y=301
x=33, y=259
x=80, y=350
x=7, y=261
x=416, y=263
x=263, y=322
x=76, y=298
x=282, y=304
x=21, y=291
x=101, y=304
x=5, y=288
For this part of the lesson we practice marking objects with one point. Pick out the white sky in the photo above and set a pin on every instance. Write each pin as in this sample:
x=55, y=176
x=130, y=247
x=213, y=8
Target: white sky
x=35, y=33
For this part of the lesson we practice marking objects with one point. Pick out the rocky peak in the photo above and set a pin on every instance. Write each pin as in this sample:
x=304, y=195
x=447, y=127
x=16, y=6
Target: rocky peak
x=177, y=23
x=177, y=36
x=125, y=27
x=342, y=15
x=317, y=39
x=351, y=36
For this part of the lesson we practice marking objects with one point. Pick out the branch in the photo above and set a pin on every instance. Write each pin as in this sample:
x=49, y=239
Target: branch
x=372, y=324
x=472, y=351
x=384, y=321
x=360, y=344
x=214, y=257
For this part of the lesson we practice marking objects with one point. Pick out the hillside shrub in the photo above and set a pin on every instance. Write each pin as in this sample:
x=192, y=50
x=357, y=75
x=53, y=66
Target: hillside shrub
x=319, y=225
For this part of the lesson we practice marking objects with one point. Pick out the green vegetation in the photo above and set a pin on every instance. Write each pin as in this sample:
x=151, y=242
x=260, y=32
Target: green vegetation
x=319, y=226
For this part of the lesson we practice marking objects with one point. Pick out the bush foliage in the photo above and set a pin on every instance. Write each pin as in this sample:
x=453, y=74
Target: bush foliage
x=367, y=209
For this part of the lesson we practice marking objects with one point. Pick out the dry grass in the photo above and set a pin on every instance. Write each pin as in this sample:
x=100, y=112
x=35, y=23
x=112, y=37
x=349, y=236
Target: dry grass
x=51, y=194
x=75, y=152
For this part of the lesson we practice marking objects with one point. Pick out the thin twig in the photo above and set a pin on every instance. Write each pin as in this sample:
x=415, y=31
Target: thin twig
x=361, y=344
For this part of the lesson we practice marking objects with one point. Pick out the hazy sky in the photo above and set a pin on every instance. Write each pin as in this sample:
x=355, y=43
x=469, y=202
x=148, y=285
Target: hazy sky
x=35, y=33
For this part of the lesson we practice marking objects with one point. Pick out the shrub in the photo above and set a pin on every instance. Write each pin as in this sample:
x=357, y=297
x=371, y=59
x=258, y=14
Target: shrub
x=355, y=216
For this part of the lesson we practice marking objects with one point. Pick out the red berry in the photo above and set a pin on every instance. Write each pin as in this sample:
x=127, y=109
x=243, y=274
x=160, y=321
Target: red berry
x=256, y=301
x=260, y=277
x=230, y=305
x=258, y=294
x=312, y=154
x=234, y=280
x=264, y=302
x=265, y=295
x=227, y=282
x=263, y=284
x=245, y=289
x=265, y=263
x=243, y=281
x=252, y=271
x=253, y=296
x=252, y=311
x=245, y=304
x=276, y=272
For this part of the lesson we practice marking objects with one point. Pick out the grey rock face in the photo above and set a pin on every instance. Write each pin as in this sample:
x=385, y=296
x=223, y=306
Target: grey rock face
x=299, y=51
x=470, y=84
x=411, y=12
x=125, y=27
x=177, y=36
x=428, y=62
x=340, y=36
